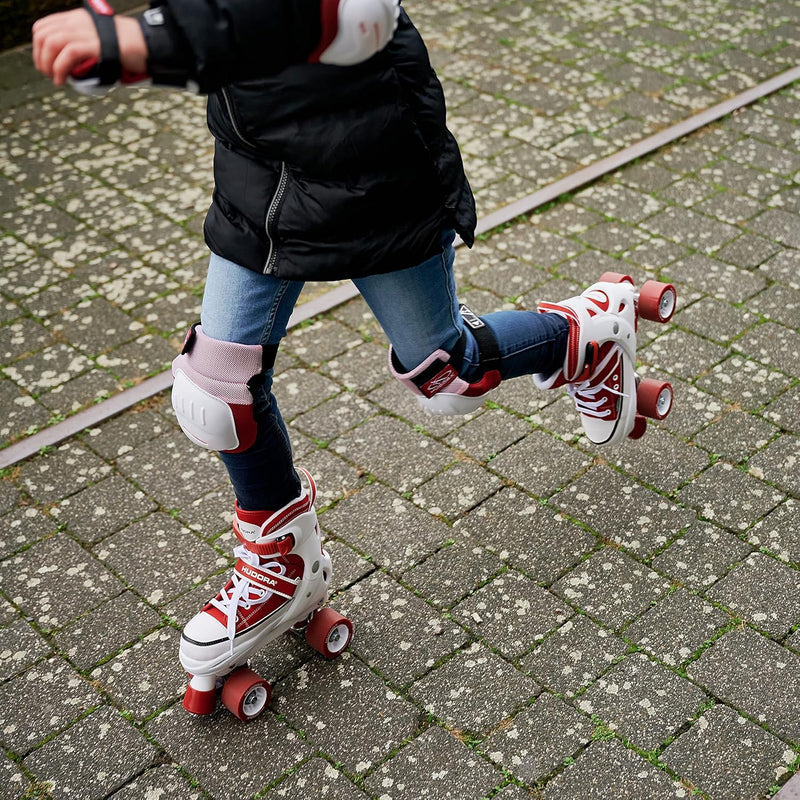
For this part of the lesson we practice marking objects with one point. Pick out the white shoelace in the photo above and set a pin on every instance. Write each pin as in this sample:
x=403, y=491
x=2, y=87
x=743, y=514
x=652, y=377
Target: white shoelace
x=240, y=594
x=585, y=394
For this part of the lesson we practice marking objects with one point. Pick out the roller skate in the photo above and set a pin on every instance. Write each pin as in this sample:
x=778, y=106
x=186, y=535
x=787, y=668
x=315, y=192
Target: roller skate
x=279, y=583
x=599, y=367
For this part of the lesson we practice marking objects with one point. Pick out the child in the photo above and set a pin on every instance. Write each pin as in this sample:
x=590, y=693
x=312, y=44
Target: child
x=333, y=160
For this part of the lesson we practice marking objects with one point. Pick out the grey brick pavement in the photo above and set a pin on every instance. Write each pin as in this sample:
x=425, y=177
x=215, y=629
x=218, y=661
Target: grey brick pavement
x=535, y=617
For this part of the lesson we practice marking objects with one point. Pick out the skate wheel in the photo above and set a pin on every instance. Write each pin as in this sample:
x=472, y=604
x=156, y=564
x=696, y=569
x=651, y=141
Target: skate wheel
x=653, y=398
x=639, y=427
x=245, y=694
x=657, y=301
x=328, y=632
x=199, y=703
x=615, y=277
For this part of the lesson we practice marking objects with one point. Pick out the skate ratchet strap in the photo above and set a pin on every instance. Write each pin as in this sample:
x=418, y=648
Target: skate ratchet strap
x=266, y=579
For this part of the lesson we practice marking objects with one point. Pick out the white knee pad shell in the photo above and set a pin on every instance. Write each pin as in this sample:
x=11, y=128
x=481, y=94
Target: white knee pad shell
x=212, y=395
x=436, y=381
x=355, y=30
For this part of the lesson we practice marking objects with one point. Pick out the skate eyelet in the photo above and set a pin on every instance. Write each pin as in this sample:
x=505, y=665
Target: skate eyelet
x=315, y=567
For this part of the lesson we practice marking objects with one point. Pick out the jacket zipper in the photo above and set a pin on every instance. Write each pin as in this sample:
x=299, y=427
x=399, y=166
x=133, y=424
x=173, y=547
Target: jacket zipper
x=272, y=254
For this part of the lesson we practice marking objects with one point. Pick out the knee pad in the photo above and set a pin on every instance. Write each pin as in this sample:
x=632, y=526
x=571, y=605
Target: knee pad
x=436, y=382
x=212, y=394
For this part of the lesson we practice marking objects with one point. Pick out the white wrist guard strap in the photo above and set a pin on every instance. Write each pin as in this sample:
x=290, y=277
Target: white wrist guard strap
x=354, y=30
x=212, y=394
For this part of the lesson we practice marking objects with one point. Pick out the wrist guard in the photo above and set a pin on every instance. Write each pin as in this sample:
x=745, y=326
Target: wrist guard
x=96, y=77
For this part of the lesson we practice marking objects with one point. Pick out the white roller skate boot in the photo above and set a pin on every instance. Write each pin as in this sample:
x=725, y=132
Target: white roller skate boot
x=279, y=583
x=599, y=367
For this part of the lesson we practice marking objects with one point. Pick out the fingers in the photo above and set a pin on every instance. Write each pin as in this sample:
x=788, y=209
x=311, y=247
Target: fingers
x=63, y=41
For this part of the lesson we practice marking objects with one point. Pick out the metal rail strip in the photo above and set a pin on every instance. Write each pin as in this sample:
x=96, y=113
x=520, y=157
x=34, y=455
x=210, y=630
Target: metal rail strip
x=101, y=412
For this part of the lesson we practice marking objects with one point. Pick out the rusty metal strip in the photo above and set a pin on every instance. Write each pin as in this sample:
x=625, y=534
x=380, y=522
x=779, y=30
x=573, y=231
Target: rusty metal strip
x=148, y=388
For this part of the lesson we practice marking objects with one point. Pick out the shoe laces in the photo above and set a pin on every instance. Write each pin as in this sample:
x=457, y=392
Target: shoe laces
x=591, y=396
x=239, y=592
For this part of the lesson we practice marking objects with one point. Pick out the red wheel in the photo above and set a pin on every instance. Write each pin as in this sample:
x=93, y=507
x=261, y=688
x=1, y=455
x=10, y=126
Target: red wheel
x=639, y=427
x=328, y=632
x=657, y=301
x=653, y=398
x=615, y=277
x=245, y=694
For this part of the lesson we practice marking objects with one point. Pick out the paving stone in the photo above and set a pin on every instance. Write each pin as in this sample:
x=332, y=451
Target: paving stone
x=321, y=341
x=784, y=410
x=729, y=497
x=22, y=414
x=96, y=326
x=327, y=701
x=122, y=434
x=742, y=179
x=665, y=462
x=102, y=509
x=573, y=655
x=173, y=470
x=334, y=416
x=62, y=473
x=539, y=739
x=531, y=537
x=146, y=676
x=698, y=231
x=736, y=436
x=317, y=778
x=682, y=354
x=764, y=593
x=748, y=251
x=715, y=319
x=455, y=491
x=773, y=345
x=56, y=580
x=612, y=587
x=151, y=555
x=434, y=765
x=408, y=461
x=777, y=464
x=745, y=382
x=779, y=532
x=780, y=304
x=42, y=701
x=91, y=387
x=729, y=207
x=676, y=627
x=298, y=390
x=399, y=634
x=453, y=572
x=491, y=433
x=363, y=519
x=335, y=478
x=701, y=556
x=782, y=267
x=165, y=783
x=104, y=630
x=360, y=369
x=14, y=783
x=91, y=759
x=512, y=613
x=540, y=463
x=712, y=277
x=607, y=769
x=727, y=671
x=642, y=701
x=221, y=753
x=726, y=754
x=475, y=690
x=623, y=511
x=778, y=225
x=23, y=526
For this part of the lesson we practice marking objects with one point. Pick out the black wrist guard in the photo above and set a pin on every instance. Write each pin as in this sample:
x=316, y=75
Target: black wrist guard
x=108, y=69
x=170, y=60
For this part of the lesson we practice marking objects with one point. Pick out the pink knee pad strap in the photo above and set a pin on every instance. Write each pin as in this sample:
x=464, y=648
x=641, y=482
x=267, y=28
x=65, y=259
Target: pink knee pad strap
x=211, y=394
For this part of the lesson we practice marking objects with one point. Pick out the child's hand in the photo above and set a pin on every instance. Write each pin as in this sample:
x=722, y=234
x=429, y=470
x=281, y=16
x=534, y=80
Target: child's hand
x=61, y=42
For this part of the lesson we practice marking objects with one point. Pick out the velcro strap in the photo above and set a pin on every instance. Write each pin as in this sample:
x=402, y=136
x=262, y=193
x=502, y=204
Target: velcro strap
x=485, y=339
x=109, y=68
x=277, y=548
x=265, y=579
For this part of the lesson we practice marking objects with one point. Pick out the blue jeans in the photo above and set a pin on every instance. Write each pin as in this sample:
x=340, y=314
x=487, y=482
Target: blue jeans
x=416, y=307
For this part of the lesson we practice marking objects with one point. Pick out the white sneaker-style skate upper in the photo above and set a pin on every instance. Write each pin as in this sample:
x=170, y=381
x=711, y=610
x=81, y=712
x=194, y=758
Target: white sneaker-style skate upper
x=599, y=363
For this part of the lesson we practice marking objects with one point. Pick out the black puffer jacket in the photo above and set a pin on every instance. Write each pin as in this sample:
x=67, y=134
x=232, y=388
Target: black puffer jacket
x=326, y=172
